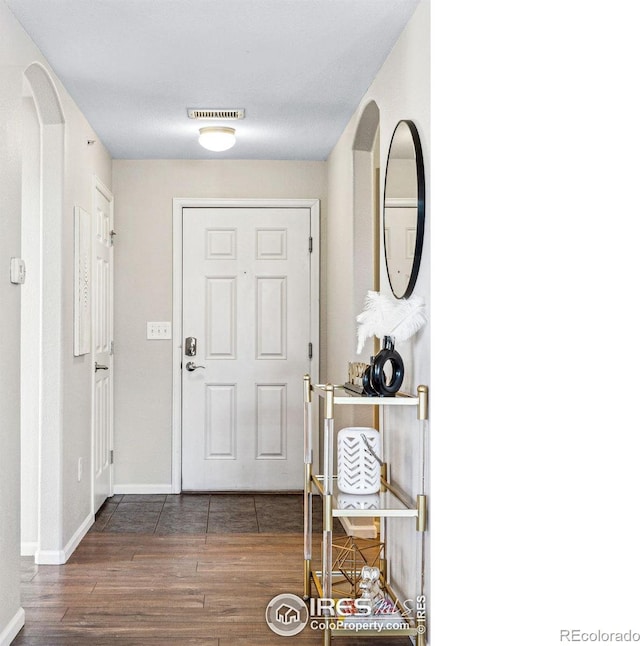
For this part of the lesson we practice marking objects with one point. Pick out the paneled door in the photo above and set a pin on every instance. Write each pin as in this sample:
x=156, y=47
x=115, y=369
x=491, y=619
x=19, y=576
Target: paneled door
x=102, y=344
x=400, y=241
x=247, y=310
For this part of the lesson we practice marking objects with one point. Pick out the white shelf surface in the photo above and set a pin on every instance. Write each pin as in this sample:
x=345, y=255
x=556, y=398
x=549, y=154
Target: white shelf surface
x=343, y=396
x=390, y=505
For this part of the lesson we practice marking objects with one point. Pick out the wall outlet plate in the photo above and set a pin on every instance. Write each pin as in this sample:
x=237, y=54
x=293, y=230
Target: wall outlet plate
x=158, y=330
x=17, y=271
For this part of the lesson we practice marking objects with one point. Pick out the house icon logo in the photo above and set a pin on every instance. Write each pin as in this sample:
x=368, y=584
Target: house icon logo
x=287, y=615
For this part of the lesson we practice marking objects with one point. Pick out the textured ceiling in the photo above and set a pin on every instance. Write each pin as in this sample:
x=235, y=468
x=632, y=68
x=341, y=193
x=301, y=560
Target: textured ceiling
x=298, y=67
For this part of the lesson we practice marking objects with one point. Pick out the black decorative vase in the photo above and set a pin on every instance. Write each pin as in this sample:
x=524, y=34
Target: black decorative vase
x=386, y=372
x=367, y=386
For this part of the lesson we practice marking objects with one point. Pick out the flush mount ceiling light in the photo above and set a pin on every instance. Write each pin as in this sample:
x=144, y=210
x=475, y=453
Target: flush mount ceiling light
x=217, y=138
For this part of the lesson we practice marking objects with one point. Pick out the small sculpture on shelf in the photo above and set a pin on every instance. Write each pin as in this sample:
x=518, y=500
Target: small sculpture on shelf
x=369, y=586
x=351, y=554
x=355, y=372
x=383, y=377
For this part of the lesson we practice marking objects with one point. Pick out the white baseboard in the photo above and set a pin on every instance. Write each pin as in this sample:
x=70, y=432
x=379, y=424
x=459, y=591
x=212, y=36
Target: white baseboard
x=59, y=557
x=70, y=547
x=28, y=548
x=49, y=557
x=142, y=488
x=12, y=628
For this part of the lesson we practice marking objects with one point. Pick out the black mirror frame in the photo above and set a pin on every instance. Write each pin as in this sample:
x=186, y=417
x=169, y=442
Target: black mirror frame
x=420, y=217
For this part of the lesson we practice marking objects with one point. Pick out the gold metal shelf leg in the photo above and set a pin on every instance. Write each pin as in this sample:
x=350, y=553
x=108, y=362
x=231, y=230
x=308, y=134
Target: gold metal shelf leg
x=421, y=522
x=307, y=579
x=421, y=638
x=384, y=476
x=383, y=568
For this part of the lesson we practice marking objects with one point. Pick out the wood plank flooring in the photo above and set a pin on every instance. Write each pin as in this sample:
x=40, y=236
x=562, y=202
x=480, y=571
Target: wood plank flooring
x=172, y=570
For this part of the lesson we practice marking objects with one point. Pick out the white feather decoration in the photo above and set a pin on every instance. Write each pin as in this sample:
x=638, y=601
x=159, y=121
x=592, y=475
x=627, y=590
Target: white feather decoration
x=411, y=316
x=386, y=316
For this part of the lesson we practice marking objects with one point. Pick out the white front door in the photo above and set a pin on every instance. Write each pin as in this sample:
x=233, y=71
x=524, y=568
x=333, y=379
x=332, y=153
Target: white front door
x=247, y=303
x=399, y=242
x=102, y=338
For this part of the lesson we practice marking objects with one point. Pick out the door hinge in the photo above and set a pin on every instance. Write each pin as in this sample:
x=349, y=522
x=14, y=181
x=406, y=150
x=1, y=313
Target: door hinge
x=111, y=349
x=111, y=456
x=310, y=350
x=112, y=235
x=310, y=244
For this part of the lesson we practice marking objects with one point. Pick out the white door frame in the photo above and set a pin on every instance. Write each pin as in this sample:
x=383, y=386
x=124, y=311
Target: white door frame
x=178, y=204
x=100, y=186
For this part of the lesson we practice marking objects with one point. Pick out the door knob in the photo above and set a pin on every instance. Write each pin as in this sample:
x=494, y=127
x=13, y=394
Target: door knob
x=190, y=366
x=99, y=366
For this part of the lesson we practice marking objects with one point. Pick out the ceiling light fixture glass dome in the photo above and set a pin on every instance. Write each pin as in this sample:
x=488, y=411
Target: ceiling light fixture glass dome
x=217, y=138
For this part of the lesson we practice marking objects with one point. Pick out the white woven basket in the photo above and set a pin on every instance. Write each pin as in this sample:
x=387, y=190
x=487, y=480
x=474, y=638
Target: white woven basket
x=358, y=469
x=352, y=501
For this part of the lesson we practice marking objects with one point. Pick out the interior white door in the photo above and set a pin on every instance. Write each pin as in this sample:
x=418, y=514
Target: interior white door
x=247, y=302
x=102, y=346
x=400, y=244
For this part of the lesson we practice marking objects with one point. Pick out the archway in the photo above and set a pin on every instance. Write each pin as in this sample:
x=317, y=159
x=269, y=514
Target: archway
x=366, y=252
x=41, y=361
x=366, y=207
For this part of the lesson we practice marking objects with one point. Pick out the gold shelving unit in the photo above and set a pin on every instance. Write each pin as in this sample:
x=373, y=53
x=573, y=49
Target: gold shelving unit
x=393, y=504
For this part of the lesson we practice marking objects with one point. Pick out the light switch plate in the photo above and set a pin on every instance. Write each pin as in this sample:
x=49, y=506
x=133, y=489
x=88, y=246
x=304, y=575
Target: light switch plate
x=158, y=330
x=17, y=271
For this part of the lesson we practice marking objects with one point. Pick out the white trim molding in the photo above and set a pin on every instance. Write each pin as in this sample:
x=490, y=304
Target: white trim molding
x=142, y=489
x=28, y=548
x=59, y=557
x=52, y=163
x=179, y=203
x=400, y=202
x=49, y=557
x=12, y=629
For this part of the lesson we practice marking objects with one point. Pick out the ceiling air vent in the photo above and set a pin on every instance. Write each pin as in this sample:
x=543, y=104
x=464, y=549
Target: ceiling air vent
x=209, y=113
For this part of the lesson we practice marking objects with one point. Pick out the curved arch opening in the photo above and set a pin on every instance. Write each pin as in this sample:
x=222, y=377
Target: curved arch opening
x=45, y=95
x=368, y=127
x=41, y=342
x=366, y=209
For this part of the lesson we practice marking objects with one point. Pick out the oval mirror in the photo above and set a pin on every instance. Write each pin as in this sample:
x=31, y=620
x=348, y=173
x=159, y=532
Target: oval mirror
x=404, y=209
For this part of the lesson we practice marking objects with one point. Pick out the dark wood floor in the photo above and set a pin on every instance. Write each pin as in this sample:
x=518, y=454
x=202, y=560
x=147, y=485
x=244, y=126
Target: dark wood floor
x=171, y=570
x=203, y=514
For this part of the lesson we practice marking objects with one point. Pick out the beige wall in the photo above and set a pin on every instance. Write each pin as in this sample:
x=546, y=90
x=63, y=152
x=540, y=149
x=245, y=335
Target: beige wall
x=82, y=162
x=401, y=91
x=71, y=499
x=143, y=289
x=10, y=200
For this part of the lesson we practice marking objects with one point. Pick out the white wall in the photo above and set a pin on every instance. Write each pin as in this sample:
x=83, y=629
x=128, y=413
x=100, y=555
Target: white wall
x=82, y=162
x=144, y=192
x=401, y=91
x=30, y=342
x=10, y=169
x=17, y=52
